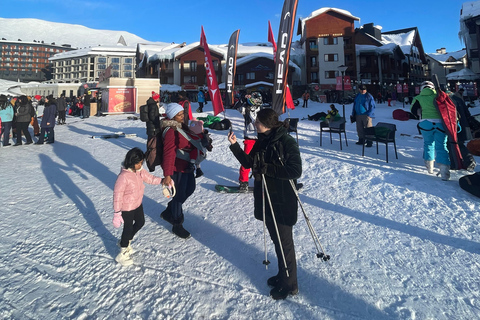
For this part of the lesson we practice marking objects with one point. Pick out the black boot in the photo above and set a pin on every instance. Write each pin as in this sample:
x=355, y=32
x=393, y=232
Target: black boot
x=167, y=216
x=360, y=141
x=180, y=231
x=280, y=292
x=369, y=144
x=273, y=281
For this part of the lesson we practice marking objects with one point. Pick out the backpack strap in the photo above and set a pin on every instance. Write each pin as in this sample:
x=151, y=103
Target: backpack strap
x=184, y=155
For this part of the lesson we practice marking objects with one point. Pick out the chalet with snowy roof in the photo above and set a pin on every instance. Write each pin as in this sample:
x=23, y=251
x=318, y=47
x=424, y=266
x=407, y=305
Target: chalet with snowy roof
x=443, y=63
x=379, y=65
x=415, y=62
x=328, y=39
x=470, y=33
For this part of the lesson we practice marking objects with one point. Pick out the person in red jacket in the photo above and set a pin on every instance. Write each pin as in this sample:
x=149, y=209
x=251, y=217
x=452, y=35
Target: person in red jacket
x=177, y=171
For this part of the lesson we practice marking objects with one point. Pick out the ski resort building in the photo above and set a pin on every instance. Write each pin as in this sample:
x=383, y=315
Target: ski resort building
x=27, y=61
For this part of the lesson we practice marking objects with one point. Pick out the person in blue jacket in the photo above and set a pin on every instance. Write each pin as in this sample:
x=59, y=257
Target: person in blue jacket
x=6, y=116
x=201, y=100
x=362, y=113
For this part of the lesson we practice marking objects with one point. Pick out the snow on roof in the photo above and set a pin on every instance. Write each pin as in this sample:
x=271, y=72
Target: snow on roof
x=457, y=55
x=464, y=74
x=100, y=50
x=256, y=55
x=470, y=10
x=326, y=9
x=403, y=40
x=258, y=83
x=11, y=88
x=386, y=48
x=170, y=87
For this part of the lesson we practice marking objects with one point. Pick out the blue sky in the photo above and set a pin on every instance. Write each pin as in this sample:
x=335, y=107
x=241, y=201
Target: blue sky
x=178, y=21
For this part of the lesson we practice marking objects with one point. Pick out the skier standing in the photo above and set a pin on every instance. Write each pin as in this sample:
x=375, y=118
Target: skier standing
x=275, y=160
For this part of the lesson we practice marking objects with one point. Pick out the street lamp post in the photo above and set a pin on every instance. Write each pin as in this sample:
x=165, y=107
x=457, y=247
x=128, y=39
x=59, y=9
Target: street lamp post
x=342, y=69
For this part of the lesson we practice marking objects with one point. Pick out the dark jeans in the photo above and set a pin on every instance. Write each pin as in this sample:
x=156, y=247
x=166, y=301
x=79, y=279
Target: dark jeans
x=51, y=135
x=286, y=236
x=200, y=104
x=23, y=127
x=86, y=111
x=132, y=222
x=185, y=186
x=6, y=128
x=305, y=104
x=61, y=116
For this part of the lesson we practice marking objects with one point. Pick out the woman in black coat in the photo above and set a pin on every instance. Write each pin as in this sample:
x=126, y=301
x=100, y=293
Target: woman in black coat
x=275, y=157
x=48, y=120
x=24, y=116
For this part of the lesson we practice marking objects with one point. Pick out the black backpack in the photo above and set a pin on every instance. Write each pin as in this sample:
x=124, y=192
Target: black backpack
x=144, y=113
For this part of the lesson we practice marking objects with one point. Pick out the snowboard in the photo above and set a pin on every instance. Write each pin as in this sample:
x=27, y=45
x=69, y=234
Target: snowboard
x=231, y=189
x=114, y=135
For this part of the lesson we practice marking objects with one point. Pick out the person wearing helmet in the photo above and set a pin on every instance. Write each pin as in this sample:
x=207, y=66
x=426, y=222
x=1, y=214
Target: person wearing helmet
x=432, y=129
x=248, y=107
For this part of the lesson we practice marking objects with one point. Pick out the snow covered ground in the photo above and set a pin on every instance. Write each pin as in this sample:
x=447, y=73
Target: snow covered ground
x=403, y=244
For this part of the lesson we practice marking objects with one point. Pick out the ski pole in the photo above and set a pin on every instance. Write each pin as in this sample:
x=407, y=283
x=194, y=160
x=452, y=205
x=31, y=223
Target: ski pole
x=265, y=262
x=316, y=240
x=275, y=224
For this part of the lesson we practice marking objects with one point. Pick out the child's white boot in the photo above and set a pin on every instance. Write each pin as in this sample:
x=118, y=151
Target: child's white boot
x=124, y=257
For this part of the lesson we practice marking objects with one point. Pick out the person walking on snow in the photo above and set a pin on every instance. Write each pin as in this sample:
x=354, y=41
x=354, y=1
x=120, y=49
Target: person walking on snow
x=201, y=100
x=432, y=129
x=275, y=159
x=362, y=113
x=305, y=97
x=127, y=201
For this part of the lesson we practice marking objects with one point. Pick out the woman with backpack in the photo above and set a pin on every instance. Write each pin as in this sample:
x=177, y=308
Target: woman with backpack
x=177, y=171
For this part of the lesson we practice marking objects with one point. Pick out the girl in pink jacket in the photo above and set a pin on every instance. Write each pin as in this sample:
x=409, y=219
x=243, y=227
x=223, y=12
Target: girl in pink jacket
x=127, y=201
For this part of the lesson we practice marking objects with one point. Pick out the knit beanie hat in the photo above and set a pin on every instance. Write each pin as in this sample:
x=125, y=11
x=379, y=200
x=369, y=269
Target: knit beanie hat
x=173, y=109
x=155, y=96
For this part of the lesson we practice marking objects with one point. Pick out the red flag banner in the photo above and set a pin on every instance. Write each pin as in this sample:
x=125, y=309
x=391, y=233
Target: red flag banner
x=231, y=67
x=211, y=77
x=289, y=99
x=271, y=39
x=282, y=57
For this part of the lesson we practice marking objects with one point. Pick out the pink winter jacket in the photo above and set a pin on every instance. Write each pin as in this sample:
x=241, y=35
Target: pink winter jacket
x=128, y=190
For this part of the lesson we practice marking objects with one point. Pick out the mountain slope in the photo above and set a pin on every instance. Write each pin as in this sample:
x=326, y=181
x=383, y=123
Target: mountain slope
x=75, y=35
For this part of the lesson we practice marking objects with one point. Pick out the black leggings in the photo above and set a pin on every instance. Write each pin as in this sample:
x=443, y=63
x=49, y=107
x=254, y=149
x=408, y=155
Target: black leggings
x=129, y=227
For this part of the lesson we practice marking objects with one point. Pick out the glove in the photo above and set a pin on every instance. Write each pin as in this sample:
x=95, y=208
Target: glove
x=117, y=219
x=353, y=119
x=259, y=165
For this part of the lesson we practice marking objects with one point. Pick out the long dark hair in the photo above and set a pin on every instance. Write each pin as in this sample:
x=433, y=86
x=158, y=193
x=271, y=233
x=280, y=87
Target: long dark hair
x=269, y=118
x=133, y=157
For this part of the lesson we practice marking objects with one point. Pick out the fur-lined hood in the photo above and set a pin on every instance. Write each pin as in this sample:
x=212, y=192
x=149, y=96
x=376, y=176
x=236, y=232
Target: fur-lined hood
x=170, y=123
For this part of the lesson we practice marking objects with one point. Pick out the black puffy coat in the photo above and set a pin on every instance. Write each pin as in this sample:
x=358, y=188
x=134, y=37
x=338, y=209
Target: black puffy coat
x=24, y=111
x=283, y=163
x=153, y=123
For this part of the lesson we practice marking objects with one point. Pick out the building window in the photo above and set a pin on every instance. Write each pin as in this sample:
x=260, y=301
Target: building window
x=331, y=57
x=313, y=61
x=127, y=74
x=102, y=60
x=331, y=74
x=240, y=79
x=128, y=60
x=115, y=67
x=101, y=66
x=250, y=75
x=115, y=60
x=313, y=45
x=314, y=76
x=330, y=41
x=127, y=67
x=115, y=74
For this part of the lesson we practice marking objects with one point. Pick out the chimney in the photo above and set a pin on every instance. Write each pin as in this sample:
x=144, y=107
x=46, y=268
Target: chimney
x=442, y=51
x=370, y=29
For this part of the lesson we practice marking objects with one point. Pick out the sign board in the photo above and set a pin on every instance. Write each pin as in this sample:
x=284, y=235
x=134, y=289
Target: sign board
x=121, y=100
x=405, y=88
x=399, y=88
x=347, y=84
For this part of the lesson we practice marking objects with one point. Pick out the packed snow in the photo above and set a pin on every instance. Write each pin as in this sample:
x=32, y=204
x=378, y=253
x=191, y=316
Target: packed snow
x=403, y=244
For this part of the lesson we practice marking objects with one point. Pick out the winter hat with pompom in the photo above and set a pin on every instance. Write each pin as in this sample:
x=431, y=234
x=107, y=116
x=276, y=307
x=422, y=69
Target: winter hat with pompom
x=155, y=96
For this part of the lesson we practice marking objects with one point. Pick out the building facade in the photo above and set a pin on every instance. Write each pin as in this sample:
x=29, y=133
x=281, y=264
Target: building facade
x=27, y=61
x=88, y=64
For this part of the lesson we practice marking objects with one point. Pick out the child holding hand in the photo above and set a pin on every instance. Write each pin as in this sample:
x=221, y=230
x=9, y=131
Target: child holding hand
x=127, y=201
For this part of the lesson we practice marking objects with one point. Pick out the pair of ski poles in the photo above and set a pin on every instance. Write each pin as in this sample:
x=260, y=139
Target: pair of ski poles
x=320, y=251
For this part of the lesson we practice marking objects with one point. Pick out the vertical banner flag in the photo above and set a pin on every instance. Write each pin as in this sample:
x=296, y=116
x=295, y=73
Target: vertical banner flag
x=271, y=39
x=282, y=57
x=211, y=78
x=231, y=67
